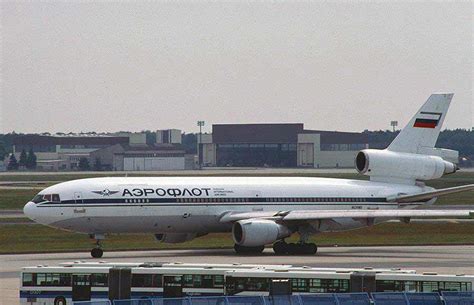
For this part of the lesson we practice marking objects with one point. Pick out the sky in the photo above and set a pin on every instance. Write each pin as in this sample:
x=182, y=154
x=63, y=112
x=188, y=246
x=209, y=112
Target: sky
x=346, y=66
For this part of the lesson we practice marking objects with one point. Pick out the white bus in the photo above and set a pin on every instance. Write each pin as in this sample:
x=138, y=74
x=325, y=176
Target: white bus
x=80, y=281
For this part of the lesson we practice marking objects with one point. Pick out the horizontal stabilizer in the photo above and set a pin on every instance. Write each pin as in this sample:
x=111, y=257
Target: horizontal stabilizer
x=432, y=194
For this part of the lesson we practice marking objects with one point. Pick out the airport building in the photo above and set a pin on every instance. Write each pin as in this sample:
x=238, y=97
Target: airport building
x=121, y=151
x=278, y=145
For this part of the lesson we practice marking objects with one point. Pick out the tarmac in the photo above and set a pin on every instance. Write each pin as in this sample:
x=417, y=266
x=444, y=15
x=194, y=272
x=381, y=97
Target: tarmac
x=441, y=259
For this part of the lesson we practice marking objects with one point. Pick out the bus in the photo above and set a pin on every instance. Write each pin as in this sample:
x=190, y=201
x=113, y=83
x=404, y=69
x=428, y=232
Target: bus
x=83, y=281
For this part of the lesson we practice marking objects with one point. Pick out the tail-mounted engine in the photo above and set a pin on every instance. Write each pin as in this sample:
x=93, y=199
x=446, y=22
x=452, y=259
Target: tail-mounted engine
x=389, y=164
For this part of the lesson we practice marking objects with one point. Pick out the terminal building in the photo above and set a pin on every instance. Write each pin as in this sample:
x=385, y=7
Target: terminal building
x=121, y=151
x=278, y=145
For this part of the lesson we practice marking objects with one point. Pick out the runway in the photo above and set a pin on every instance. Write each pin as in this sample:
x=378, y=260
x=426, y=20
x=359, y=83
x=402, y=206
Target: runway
x=441, y=259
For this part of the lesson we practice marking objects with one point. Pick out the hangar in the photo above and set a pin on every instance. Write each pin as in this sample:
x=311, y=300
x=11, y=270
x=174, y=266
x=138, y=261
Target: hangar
x=278, y=145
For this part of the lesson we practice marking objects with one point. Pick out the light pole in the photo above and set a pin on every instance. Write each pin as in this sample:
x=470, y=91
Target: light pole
x=394, y=124
x=200, y=124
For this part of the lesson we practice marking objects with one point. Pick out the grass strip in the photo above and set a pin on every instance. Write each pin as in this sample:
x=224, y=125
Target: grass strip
x=28, y=238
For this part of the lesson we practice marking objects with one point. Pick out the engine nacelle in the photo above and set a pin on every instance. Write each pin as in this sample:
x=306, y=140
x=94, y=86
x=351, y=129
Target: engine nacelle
x=385, y=163
x=175, y=238
x=258, y=232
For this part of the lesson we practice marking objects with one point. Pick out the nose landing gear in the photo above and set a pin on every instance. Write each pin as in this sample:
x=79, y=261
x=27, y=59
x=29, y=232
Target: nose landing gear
x=97, y=252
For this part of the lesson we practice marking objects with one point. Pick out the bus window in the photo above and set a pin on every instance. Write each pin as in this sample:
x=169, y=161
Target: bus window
x=28, y=279
x=188, y=280
x=157, y=280
x=328, y=285
x=429, y=287
x=299, y=285
x=197, y=281
x=256, y=284
x=218, y=281
x=99, y=280
x=142, y=280
x=40, y=279
x=411, y=286
x=389, y=286
x=466, y=286
x=207, y=281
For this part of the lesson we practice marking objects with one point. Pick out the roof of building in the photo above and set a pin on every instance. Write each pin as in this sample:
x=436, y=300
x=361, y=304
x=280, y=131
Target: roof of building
x=33, y=139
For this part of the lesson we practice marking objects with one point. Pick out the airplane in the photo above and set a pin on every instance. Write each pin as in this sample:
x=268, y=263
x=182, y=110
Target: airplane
x=263, y=210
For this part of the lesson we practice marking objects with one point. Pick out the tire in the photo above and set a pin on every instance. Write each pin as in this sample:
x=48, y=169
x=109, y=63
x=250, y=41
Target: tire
x=312, y=249
x=97, y=253
x=248, y=250
x=60, y=301
x=293, y=248
x=280, y=248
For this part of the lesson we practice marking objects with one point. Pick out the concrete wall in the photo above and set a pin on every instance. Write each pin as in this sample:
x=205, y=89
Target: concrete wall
x=137, y=138
x=153, y=163
x=106, y=156
x=334, y=158
x=307, y=148
x=209, y=154
x=174, y=136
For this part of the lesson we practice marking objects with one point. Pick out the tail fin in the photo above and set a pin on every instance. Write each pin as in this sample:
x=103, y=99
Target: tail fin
x=420, y=135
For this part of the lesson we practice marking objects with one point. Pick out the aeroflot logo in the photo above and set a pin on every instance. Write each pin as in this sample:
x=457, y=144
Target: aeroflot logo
x=174, y=192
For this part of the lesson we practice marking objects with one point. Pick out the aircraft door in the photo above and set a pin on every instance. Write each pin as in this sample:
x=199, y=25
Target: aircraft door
x=172, y=286
x=78, y=197
x=81, y=287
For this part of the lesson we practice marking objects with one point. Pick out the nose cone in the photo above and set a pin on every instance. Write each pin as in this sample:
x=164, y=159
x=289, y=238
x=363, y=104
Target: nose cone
x=28, y=210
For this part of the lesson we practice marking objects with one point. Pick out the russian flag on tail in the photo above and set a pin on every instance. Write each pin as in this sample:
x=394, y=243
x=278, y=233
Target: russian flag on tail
x=427, y=119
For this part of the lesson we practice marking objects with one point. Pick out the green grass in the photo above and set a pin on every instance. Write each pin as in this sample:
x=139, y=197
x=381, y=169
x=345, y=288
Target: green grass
x=15, y=198
x=36, y=238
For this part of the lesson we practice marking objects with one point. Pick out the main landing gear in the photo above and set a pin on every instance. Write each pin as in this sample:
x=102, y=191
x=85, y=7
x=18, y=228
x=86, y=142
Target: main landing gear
x=248, y=250
x=281, y=248
x=97, y=252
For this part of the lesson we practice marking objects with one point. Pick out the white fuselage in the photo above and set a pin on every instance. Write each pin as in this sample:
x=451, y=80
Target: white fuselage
x=196, y=204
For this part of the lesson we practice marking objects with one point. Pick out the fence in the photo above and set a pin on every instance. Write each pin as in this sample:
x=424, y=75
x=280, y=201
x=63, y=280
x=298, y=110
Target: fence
x=376, y=298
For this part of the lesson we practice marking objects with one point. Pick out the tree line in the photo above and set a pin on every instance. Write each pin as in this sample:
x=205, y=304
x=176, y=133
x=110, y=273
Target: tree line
x=461, y=140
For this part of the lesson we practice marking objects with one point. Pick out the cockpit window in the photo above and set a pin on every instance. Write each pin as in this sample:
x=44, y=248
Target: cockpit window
x=38, y=198
x=48, y=197
x=55, y=198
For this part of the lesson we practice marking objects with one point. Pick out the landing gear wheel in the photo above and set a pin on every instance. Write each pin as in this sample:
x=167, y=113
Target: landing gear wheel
x=248, y=250
x=97, y=253
x=280, y=247
x=311, y=248
x=296, y=249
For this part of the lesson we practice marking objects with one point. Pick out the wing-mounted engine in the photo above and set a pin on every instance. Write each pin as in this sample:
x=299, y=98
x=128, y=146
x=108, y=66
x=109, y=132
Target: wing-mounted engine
x=258, y=232
x=383, y=164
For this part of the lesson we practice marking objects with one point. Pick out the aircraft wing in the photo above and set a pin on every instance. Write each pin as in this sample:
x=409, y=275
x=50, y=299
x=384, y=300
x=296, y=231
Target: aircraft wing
x=302, y=215
x=430, y=194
